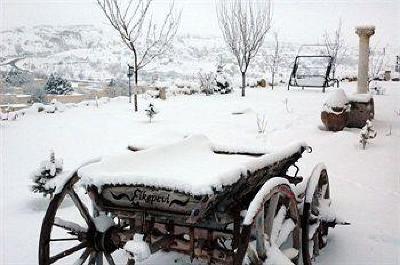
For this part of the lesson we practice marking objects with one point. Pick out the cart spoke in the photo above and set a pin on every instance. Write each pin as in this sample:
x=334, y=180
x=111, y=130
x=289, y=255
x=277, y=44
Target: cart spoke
x=260, y=235
x=312, y=230
x=276, y=256
x=83, y=257
x=270, y=214
x=316, y=244
x=92, y=258
x=252, y=255
x=324, y=188
x=277, y=223
x=99, y=258
x=72, y=227
x=326, y=213
x=64, y=239
x=67, y=252
x=109, y=258
x=287, y=228
x=81, y=207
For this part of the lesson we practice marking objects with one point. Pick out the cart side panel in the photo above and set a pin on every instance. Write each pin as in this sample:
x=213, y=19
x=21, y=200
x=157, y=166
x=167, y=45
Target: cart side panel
x=143, y=197
x=242, y=193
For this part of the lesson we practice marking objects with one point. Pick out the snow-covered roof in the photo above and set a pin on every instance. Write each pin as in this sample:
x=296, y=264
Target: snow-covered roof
x=191, y=166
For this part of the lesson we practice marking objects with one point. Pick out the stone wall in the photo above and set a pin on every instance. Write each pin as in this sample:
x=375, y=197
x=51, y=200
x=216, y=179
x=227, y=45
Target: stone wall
x=14, y=99
x=74, y=98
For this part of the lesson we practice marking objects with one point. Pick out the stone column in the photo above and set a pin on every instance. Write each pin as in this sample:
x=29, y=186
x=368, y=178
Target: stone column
x=364, y=32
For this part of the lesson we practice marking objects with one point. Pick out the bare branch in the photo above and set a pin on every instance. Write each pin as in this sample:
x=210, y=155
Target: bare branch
x=145, y=39
x=335, y=46
x=274, y=59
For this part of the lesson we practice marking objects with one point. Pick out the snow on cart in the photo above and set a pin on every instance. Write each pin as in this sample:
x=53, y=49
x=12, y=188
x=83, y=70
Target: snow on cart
x=214, y=203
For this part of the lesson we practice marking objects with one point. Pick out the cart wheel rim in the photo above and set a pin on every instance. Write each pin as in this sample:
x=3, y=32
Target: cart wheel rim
x=80, y=237
x=280, y=239
x=315, y=221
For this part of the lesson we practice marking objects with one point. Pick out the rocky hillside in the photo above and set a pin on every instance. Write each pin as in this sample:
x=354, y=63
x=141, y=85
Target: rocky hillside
x=85, y=52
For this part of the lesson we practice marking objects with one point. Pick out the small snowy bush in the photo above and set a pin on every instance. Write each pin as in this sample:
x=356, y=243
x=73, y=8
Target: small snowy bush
x=377, y=89
x=207, y=82
x=18, y=78
x=47, y=171
x=366, y=133
x=56, y=85
x=261, y=123
x=286, y=103
x=222, y=82
x=151, y=111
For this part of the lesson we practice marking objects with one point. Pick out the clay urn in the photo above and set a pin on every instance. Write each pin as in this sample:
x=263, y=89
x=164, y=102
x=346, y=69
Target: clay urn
x=335, y=111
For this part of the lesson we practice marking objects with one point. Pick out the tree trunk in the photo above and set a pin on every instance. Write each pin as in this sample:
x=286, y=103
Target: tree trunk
x=136, y=75
x=243, y=84
x=273, y=79
x=135, y=91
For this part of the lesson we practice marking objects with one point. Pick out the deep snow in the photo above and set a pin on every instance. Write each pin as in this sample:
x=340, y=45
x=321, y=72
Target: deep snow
x=364, y=183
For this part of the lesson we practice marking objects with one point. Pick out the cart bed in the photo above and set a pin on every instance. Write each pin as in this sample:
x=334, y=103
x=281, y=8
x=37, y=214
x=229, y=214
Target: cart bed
x=183, y=176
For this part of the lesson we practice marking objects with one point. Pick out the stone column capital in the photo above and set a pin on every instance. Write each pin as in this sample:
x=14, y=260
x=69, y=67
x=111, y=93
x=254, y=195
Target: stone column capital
x=365, y=31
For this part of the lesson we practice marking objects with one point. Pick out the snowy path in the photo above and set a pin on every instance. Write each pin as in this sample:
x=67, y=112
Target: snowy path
x=365, y=184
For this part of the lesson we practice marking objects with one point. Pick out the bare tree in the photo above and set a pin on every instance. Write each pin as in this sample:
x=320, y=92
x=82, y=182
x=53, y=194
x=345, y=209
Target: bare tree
x=376, y=63
x=335, y=46
x=274, y=59
x=244, y=24
x=133, y=22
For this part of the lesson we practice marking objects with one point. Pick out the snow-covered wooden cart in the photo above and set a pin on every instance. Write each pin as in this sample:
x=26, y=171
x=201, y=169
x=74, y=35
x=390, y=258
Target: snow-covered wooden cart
x=214, y=203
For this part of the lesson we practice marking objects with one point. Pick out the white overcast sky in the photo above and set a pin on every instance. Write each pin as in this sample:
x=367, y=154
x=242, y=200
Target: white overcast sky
x=302, y=21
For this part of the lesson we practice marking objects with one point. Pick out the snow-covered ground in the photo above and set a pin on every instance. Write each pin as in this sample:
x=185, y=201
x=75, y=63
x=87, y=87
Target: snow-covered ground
x=364, y=183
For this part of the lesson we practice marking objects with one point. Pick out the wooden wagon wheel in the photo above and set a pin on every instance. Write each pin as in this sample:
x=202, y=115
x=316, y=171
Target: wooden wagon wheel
x=317, y=216
x=79, y=243
x=276, y=230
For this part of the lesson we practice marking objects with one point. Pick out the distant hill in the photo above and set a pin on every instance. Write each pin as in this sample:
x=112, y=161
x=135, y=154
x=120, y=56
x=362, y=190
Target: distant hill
x=92, y=53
